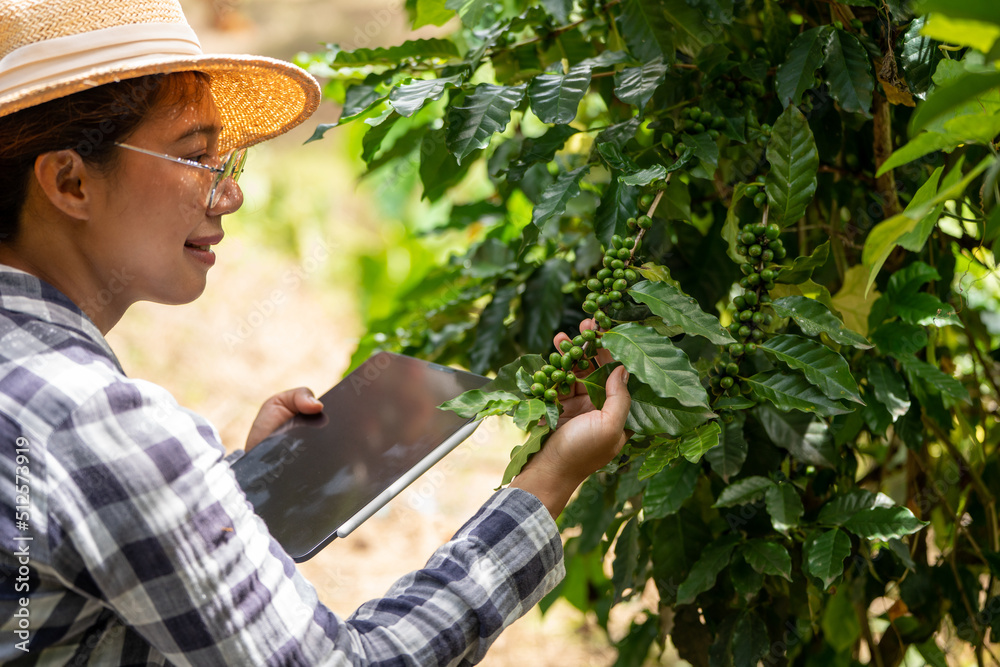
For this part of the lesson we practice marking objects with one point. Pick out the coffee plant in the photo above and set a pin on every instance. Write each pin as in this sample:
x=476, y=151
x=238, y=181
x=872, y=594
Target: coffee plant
x=781, y=217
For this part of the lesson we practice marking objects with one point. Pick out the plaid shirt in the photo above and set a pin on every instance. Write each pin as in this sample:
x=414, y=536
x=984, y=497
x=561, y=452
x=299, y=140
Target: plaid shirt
x=143, y=549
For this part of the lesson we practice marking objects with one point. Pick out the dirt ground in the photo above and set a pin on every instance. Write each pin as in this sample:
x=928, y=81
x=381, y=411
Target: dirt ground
x=268, y=323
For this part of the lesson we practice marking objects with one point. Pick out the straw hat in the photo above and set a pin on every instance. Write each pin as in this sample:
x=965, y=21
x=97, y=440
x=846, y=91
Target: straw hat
x=53, y=48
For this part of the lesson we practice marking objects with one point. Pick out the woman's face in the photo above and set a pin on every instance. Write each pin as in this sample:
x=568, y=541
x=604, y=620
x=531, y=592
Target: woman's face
x=149, y=214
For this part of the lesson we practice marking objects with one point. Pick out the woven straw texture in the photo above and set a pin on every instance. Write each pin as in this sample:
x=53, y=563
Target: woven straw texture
x=258, y=98
x=29, y=21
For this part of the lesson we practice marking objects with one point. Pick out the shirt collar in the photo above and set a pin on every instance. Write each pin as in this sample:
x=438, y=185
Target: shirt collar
x=21, y=292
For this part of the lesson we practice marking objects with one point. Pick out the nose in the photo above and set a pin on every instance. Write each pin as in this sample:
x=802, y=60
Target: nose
x=231, y=199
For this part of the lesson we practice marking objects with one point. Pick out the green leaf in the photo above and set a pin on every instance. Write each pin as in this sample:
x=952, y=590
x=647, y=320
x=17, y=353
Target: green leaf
x=646, y=30
x=372, y=141
x=691, y=26
x=918, y=56
x=654, y=415
x=823, y=555
x=668, y=489
x=746, y=490
x=618, y=204
x=555, y=197
x=980, y=36
x=768, y=558
x=802, y=268
x=543, y=303
x=506, y=379
x=634, y=648
x=409, y=97
x=883, y=523
x=559, y=9
x=705, y=149
x=680, y=310
x=916, y=239
x=849, y=73
x=439, y=170
x=469, y=404
x=806, y=437
x=972, y=10
x=731, y=228
x=842, y=507
x=784, y=505
x=714, y=558
x=541, y=149
x=644, y=176
x=357, y=100
x=527, y=413
x=728, y=456
x=953, y=94
x=822, y=366
x=626, y=563
x=655, y=361
x=659, y=458
x=520, y=455
x=934, y=379
x=840, y=624
x=747, y=581
x=490, y=330
x=806, y=55
x=884, y=236
x=418, y=49
x=470, y=11
x=555, y=97
x=431, y=12
x=694, y=444
x=483, y=113
x=790, y=391
x=890, y=390
x=923, y=309
x=791, y=182
x=636, y=85
x=814, y=319
x=969, y=129
x=750, y=640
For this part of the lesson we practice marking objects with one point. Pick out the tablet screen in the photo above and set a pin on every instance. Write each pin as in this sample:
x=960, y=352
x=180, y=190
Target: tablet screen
x=318, y=471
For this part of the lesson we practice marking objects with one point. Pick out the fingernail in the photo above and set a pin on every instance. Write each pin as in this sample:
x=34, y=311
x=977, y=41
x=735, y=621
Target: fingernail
x=625, y=377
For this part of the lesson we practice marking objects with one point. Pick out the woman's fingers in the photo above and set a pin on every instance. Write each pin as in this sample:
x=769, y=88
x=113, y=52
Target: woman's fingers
x=279, y=409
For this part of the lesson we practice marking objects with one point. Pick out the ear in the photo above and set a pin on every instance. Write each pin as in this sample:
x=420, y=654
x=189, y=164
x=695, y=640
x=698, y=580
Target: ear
x=67, y=182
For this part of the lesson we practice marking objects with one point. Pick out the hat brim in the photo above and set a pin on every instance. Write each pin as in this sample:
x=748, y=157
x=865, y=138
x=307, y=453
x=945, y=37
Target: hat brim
x=258, y=98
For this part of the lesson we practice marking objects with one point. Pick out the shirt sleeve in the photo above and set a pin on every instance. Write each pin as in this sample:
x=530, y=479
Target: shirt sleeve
x=154, y=520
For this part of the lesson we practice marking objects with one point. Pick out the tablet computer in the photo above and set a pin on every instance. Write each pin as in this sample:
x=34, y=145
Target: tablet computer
x=319, y=476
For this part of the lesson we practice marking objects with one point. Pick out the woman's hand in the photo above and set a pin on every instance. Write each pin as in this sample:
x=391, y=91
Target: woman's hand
x=280, y=408
x=586, y=440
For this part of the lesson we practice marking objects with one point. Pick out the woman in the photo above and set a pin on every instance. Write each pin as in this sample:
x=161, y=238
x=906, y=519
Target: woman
x=124, y=538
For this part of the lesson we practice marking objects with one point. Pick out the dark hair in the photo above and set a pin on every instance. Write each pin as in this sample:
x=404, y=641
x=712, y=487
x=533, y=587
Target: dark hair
x=89, y=122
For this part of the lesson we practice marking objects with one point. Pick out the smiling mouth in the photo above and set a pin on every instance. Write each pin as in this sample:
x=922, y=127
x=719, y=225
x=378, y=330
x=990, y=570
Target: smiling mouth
x=198, y=247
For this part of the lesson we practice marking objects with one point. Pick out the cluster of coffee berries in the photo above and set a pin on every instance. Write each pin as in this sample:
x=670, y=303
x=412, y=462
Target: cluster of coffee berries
x=693, y=121
x=557, y=376
x=609, y=287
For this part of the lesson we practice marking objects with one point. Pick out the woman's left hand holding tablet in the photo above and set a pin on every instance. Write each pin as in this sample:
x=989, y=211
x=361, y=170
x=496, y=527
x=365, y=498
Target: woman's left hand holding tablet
x=279, y=409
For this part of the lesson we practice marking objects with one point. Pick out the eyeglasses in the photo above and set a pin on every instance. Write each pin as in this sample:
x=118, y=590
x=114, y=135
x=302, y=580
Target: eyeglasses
x=232, y=167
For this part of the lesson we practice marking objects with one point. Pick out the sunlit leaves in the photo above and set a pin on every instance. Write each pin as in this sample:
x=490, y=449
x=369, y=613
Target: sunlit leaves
x=790, y=391
x=814, y=319
x=655, y=361
x=556, y=196
x=821, y=366
x=483, y=113
x=555, y=97
x=824, y=555
x=883, y=523
x=636, y=85
x=668, y=489
x=680, y=310
x=520, y=455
